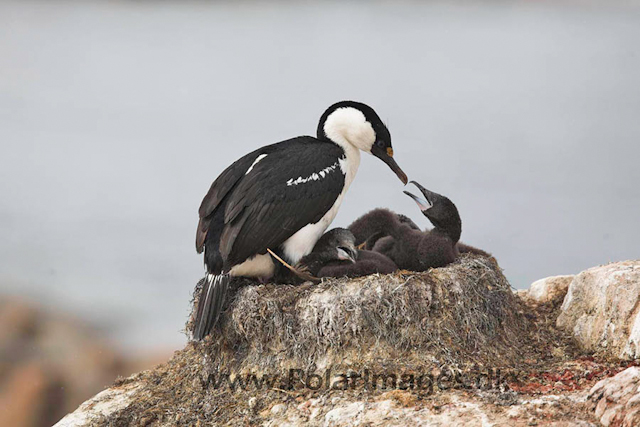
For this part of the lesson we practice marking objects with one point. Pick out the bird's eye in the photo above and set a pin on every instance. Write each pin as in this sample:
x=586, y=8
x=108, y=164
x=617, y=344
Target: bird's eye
x=380, y=143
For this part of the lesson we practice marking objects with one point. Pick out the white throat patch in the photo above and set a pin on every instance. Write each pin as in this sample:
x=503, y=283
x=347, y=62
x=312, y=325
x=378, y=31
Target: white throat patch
x=347, y=126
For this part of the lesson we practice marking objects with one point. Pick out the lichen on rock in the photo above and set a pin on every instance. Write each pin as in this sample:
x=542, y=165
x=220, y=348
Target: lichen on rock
x=550, y=290
x=616, y=400
x=602, y=310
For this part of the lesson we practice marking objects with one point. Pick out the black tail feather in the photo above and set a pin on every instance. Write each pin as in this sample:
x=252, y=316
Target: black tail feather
x=210, y=304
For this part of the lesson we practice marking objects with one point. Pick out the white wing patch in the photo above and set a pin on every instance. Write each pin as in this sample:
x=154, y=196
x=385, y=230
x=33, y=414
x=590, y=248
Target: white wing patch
x=255, y=162
x=318, y=175
x=344, y=165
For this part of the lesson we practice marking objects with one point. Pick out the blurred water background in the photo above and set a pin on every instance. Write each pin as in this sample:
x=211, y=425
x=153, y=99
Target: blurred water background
x=116, y=116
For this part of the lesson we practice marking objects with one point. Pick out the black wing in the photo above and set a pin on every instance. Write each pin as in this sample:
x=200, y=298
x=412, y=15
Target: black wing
x=225, y=182
x=279, y=196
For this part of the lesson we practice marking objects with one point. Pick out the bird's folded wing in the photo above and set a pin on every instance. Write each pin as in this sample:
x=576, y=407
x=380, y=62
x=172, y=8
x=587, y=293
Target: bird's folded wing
x=283, y=193
x=225, y=182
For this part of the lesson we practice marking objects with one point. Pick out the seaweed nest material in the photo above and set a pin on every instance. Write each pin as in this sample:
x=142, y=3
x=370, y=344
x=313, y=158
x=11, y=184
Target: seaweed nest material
x=466, y=311
x=457, y=316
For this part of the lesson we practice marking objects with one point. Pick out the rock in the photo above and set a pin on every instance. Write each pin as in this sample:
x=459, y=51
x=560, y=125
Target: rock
x=380, y=412
x=602, y=309
x=452, y=408
x=550, y=289
x=18, y=321
x=345, y=415
x=617, y=399
x=32, y=396
x=314, y=413
x=458, y=410
x=101, y=405
x=278, y=409
x=50, y=363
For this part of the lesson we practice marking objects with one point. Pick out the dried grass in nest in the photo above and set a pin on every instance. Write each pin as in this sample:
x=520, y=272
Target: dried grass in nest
x=465, y=313
x=451, y=315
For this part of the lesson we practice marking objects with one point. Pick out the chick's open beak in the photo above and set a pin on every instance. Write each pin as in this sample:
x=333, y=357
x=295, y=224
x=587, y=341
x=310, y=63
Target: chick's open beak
x=425, y=203
x=387, y=157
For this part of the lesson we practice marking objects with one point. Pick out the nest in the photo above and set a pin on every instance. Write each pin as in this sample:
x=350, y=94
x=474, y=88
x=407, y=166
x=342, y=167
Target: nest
x=460, y=315
x=450, y=315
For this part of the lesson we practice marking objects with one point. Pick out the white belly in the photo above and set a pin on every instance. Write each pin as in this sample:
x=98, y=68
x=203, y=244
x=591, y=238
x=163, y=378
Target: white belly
x=257, y=266
x=303, y=241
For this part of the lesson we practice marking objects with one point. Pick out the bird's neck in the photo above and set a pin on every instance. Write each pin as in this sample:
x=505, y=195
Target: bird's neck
x=452, y=230
x=350, y=162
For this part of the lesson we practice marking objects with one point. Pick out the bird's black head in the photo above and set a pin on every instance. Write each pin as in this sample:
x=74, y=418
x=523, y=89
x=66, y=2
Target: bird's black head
x=337, y=244
x=354, y=124
x=441, y=211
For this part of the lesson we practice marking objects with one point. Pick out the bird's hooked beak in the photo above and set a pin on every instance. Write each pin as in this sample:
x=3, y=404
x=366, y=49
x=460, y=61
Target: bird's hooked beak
x=424, y=204
x=386, y=155
x=347, y=254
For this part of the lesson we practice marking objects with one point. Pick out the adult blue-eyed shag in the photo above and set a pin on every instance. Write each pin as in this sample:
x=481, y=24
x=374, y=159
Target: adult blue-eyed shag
x=282, y=197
